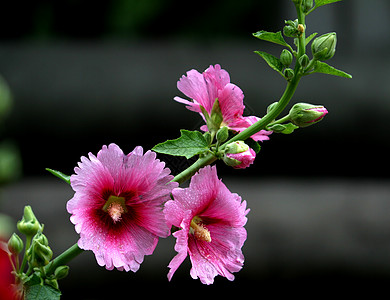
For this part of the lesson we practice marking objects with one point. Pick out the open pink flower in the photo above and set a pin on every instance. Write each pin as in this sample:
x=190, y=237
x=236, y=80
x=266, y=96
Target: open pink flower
x=214, y=83
x=117, y=205
x=211, y=221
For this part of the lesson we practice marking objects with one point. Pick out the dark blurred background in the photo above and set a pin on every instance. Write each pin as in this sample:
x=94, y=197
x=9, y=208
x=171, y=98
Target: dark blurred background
x=87, y=73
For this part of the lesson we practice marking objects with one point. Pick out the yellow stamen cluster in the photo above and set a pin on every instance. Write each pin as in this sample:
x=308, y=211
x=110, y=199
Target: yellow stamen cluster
x=199, y=230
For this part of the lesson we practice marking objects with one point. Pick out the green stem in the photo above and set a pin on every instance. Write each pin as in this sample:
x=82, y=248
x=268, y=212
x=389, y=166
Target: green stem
x=191, y=170
x=280, y=121
x=24, y=261
x=63, y=258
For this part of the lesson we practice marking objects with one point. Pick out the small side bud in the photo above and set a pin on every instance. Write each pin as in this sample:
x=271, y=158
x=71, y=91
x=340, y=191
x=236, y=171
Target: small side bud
x=15, y=244
x=288, y=73
x=207, y=136
x=271, y=106
x=324, y=47
x=304, y=114
x=286, y=57
x=304, y=61
x=222, y=134
x=61, y=272
x=29, y=224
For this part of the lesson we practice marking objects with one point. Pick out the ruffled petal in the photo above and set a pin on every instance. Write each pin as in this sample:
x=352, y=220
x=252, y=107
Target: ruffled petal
x=240, y=124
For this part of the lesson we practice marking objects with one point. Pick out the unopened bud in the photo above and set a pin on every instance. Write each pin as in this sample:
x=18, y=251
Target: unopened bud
x=238, y=155
x=15, y=244
x=39, y=254
x=324, y=47
x=222, y=134
x=304, y=61
x=61, y=272
x=286, y=57
x=288, y=73
x=291, y=28
x=304, y=114
x=29, y=224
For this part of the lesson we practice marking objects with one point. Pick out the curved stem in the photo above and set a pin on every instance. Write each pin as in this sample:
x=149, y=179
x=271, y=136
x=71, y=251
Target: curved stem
x=63, y=258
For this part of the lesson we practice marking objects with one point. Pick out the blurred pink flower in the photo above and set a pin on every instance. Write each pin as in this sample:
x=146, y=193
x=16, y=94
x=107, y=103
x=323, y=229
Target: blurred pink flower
x=6, y=278
x=211, y=221
x=214, y=83
x=117, y=205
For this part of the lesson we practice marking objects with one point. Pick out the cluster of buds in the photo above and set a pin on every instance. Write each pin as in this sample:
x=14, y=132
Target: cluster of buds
x=38, y=254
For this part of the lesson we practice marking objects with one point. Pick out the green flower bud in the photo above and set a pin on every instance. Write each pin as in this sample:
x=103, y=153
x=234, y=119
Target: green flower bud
x=29, y=224
x=207, y=136
x=324, y=47
x=236, y=147
x=304, y=114
x=15, y=244
x=39, y=254
x=271, y=106
x=61, y=272
x=291, y=28
x=307, y=5
x=288, y=73
x=223, y=134
x=286, y=57
x=304, y=60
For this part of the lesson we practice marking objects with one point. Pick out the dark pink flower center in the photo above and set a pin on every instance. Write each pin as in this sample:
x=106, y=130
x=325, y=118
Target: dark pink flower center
x=115, y=207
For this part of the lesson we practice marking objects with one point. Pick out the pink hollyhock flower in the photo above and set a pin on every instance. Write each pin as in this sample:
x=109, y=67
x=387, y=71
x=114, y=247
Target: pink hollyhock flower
x=117, y=205
x=212, y=84
x=211, y=221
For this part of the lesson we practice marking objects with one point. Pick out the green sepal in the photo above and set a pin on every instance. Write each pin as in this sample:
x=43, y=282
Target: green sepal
x=321, y=67
x=273, y=37
x=60, y=175
x=272, y=61
x=189, y=144
x=283, y=128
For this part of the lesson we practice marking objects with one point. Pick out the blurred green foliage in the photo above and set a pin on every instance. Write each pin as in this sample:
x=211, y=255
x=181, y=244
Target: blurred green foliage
x=76, y=19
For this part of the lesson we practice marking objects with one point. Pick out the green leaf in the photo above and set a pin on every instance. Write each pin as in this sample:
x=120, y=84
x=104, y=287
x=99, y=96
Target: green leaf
x=310, y=37
x=42, y=292
x=60, y=175
x=319, y=3
x=273, y=37
x=324, y=2
x=189, y=144
x=321, y=67
x=272, y=61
